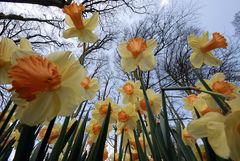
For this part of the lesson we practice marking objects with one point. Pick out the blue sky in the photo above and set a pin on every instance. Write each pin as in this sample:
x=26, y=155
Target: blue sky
x=216, y=15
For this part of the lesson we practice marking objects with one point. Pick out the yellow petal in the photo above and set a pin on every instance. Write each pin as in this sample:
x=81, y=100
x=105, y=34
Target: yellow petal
x=234, y=103
x=194, y=42
x=71, y=32
x=123, y=51
x=147, y=63
x=233, y=135
x=211, y=60
x=69, y=21
x=69, y=101
x=151, y=45
x=195, y=128
x=87, y=36
x=91, y=23
x=7, y=47
x=25, y=44
x=129, y=64
x=44, y=107
x=196, y=59
x=217, y=139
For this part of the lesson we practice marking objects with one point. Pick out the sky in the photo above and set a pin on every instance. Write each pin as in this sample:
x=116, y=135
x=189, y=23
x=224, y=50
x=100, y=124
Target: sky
x=215, y=15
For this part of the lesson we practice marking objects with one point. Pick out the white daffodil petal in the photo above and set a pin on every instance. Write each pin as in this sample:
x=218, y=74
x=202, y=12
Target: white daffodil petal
x=44, y=108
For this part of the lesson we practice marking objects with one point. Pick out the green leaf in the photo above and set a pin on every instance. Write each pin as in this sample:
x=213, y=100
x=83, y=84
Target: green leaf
x=5, y=110
x=63, y=139
x=141, y=154
x=25, y=143
x=96, y=153
x=42, y=150
x=187, y=152
x=120, y=147
x=7, y=119
x=74, y=155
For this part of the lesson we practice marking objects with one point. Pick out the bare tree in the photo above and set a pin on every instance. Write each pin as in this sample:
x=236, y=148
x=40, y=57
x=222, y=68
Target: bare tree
x=236, y=23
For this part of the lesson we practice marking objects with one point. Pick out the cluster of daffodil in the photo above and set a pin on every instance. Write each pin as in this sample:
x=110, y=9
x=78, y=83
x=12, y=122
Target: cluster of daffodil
x=44, y=87
x=137, y=52
x=221, y=128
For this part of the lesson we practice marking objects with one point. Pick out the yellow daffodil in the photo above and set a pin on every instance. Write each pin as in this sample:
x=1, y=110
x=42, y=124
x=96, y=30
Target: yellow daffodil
x=214, y=130
x=54, y=134
x=130, y=91
x=128, y=133
x=155, y=101
x=218, y=84
x=94, y=128
x=105, y=154
x=116, y=155
x=7, y=48
x=45, y=87
x=89, y=87
x=188, y=139
x=204, y=103
x=223, y=133
x=101, y=108
x=137, y=52
x=134, y=155
x=127, y=116
x=202, y=48
x=142, y=141
x=188, y=101
x=79, y=27
x=234, y=103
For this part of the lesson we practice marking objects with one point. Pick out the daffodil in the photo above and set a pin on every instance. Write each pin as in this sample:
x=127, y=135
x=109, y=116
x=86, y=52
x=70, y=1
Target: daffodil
x=116, y=156
x=154, y=100
x=127, y=116
x=101, y=108
x=222, y=132
x=234, y=103
x=202, y=48
x=45, y=87
x=143, y=143
x=7, y=48
x=130, y=91
x=188, y=101
x=94, y=128
x=128, y=133
x=80, y=27
x=105, y=154
x=89, y=87
x=137, y=52
x=204, y=103
x=55, y=133
x=219, y=85
x=187, y=138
